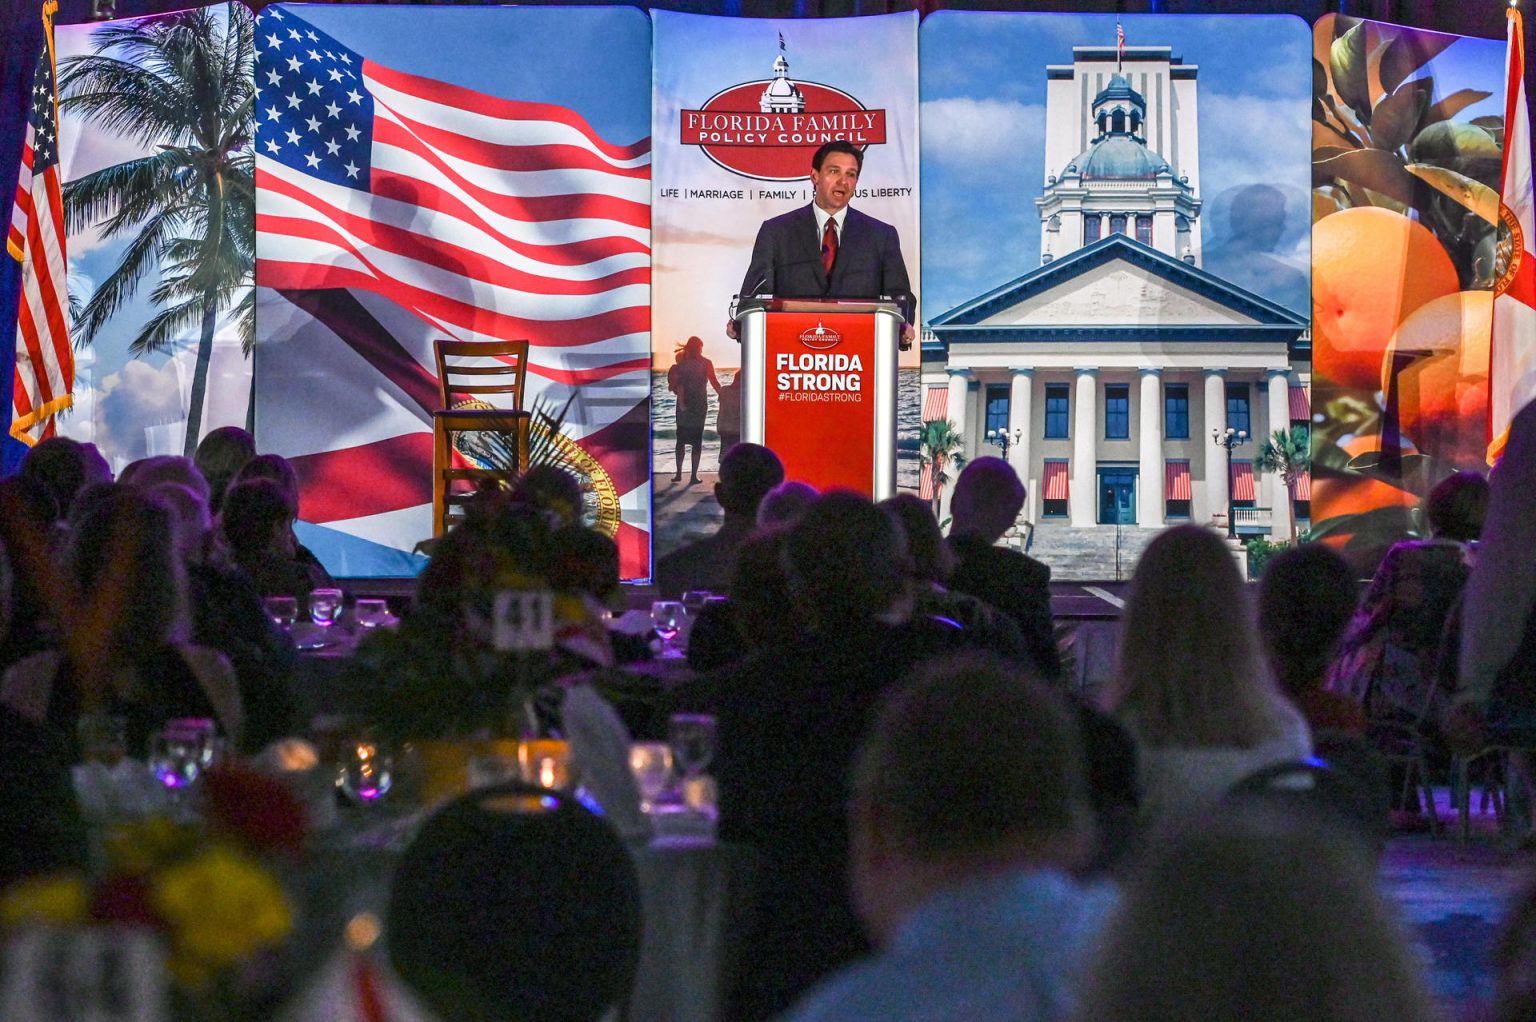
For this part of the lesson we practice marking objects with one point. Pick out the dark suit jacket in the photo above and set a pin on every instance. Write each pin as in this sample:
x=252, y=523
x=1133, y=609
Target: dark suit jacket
x=786, y=260
x=1016, y=584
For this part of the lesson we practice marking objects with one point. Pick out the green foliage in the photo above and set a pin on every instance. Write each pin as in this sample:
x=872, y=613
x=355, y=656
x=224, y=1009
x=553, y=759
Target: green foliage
x=940, y=445
x=1260, y=552
x=185, y=85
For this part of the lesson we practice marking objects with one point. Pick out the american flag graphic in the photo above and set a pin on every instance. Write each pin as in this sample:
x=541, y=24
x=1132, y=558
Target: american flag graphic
x=393, y=209
x=45, y=363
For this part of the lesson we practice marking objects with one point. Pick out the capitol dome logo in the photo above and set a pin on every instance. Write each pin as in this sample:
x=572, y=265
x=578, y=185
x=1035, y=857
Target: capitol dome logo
x=770, y=128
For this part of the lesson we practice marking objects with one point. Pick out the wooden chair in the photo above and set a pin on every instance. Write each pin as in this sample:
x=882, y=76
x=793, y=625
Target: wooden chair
x=476, y=371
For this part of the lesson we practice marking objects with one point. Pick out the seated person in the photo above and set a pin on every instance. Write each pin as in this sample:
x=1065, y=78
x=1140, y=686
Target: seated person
x=125, y=649
x=747, y=473
x=515, y=903
x=1306, y=599
x=257, y=526
x=965, y=838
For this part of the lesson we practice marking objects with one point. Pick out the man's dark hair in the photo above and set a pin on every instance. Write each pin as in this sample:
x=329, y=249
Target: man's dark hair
x=846, y=560
x=747, y=473
x=1454, y=509
x=1306, y=599
x=251, y=511
x=838, y=145
x=969, y=754
x=57, y=465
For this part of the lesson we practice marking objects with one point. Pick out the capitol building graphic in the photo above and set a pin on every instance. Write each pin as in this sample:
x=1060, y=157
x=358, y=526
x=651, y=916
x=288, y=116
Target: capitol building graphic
x=1108, y=365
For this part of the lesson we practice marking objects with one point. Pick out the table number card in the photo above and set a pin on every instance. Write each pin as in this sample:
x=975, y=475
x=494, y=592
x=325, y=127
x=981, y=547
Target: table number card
x=87, y=974
x=525, y=620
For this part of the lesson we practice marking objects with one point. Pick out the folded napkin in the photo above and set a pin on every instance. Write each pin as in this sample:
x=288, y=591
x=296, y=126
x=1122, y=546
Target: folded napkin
x=600, y=748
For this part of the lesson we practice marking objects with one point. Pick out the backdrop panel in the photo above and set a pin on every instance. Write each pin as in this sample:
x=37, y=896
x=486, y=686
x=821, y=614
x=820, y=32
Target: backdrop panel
x=729, y=155
x=1115, y=260
x=449, y=173
x=1408, y=134
x=162, y=305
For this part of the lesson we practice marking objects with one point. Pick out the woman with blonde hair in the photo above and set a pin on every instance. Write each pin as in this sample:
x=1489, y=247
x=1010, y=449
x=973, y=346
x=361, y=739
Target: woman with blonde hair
x=1192, y=684
x=1244, y=916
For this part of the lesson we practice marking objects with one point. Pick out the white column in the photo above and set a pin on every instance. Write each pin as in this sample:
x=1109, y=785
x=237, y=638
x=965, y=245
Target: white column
x=958, y=380
x=1149, y=488
x=1278, y=383
x=1216, y=481
x=1085, y=448
x=1020, y=413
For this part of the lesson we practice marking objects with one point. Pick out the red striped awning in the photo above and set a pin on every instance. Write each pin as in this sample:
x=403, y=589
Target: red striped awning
x=1301, y=405
x=1176, y=480
x=925, y=482
x=936, y=404
x=1055, y=483
x=1304, y=486
x=1242, y=481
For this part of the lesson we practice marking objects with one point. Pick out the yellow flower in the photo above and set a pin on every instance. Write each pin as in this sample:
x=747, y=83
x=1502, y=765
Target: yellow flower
x=55, y=901
x=139, y=846
x=222, y=907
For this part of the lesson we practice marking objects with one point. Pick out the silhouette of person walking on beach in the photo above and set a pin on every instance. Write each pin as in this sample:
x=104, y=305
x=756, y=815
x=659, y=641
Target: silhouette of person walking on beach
x=690, y=378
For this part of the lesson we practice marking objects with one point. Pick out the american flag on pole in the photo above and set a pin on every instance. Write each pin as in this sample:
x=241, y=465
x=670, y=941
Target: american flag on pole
x=1512, y=353
x=45, y=363
x=1119, y=46
x=395, y=208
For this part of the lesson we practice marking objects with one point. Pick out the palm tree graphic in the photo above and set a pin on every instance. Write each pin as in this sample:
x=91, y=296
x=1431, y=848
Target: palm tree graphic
x=183, y=83
x=940, y=445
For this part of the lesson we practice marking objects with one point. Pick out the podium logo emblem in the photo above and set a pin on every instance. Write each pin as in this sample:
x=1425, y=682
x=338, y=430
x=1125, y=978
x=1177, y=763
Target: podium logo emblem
x=770, y=128
x=820, y=338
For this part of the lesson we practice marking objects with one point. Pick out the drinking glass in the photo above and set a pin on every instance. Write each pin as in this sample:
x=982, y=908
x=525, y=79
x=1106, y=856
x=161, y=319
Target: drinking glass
x=325, y=606
x=546, y=762
x=694, y=600
x=176, y=758
x=371, y=613
x=692, y=738
x=651, y=765
x=367, y=772
x=283, y=610
x=668, y=616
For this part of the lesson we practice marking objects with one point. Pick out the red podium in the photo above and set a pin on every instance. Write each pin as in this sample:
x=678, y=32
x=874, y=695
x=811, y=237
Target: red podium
x=819, y=389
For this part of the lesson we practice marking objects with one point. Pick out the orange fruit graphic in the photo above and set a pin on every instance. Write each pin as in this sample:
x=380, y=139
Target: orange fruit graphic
x=1371, y=269
x=1441, y=357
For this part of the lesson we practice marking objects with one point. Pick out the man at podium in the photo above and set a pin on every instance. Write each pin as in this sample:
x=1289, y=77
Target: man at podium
x=826, y=249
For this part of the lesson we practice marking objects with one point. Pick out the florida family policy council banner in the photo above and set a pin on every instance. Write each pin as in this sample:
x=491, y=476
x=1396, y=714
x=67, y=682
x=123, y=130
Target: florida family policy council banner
x=740, y=106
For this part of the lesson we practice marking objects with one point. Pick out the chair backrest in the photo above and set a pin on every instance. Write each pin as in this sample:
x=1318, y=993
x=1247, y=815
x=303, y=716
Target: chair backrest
x=479, y=368
x=1314, y=788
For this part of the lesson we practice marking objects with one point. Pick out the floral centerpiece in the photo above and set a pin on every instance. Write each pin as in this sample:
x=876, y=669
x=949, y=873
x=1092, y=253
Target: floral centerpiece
x=210, y=890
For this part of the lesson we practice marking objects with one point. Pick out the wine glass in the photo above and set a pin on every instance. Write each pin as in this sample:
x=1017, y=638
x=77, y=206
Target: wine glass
x=367, y=772
x=370, y=613
x=283, y=610
x=176, y=758
x=694, y=600
x=325, y=606
x=651, y=765
x=668, y=616
x=692, y=738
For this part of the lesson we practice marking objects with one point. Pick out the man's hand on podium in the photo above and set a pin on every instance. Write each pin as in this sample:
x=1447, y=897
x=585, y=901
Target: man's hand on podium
x=730, y=330
x=908, y=335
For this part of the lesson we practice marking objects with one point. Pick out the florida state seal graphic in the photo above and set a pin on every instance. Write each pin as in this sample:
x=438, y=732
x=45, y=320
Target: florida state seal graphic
x=769, y=129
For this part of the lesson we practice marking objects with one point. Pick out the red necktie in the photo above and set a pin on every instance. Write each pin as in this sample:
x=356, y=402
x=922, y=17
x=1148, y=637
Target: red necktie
x=829, y=246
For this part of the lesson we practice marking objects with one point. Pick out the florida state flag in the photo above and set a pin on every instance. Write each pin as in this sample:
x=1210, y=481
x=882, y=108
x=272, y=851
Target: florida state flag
x=1512, y=368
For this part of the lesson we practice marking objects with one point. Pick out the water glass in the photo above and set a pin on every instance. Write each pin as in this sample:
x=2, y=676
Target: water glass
x=367, y=772
x=371, y=613
x=651, y=765
x=692, y=738
x=546, y=762
x=176, y=758
x=325, y=606
x=667, y=616
x=283, y=610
